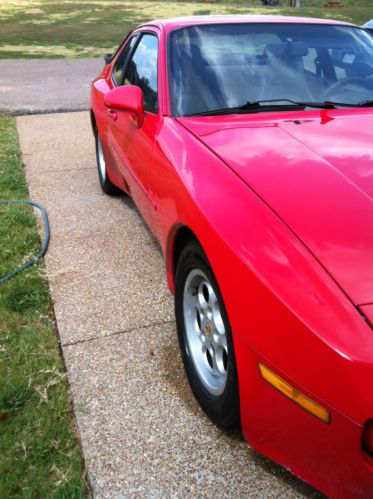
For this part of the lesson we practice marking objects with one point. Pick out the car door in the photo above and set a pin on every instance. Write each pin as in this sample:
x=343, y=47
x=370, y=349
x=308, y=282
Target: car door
x=133, y=146
x=114, y=79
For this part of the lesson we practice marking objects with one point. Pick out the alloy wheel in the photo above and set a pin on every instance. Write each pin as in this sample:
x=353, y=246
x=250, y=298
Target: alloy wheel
x=205, y=332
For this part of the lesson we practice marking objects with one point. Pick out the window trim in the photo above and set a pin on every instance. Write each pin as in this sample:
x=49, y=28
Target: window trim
x=119, y=52
x=169, y=75
x=140, y=34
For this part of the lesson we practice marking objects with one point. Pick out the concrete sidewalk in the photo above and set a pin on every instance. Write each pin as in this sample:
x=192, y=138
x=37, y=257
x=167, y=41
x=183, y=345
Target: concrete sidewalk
x=40, y=86
x=142, y=433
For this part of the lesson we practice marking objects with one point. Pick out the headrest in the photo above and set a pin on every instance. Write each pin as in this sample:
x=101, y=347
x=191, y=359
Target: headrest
x=191, y=49
x=289, y=49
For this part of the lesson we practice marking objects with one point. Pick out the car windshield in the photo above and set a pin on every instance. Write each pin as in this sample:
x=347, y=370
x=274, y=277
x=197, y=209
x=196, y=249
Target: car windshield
x=225, y=66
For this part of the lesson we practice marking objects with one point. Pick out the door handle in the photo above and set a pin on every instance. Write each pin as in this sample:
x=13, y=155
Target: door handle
x=113, y=115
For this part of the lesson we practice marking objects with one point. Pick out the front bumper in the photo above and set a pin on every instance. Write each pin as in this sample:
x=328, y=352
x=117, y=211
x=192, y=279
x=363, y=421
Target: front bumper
x=328, y=456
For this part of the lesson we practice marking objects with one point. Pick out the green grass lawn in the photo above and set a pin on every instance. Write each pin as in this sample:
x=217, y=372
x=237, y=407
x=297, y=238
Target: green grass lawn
x=86, y=28
x=39, y=450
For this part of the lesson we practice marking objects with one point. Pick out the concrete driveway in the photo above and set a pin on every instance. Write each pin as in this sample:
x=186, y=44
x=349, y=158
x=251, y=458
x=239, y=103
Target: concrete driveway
x=142, y=432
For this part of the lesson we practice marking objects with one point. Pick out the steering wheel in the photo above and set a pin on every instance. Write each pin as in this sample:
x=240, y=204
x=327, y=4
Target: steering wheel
x=345, y=82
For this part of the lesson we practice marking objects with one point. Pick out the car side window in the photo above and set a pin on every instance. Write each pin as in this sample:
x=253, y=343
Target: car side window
x=120, y=63
x=142, y=70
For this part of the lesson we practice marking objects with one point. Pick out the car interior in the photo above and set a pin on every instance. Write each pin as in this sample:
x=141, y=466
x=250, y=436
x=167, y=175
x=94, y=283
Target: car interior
x=229, y=76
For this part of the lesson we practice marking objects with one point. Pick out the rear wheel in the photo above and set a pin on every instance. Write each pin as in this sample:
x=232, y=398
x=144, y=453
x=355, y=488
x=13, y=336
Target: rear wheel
x=205, y=338
x=106, y=185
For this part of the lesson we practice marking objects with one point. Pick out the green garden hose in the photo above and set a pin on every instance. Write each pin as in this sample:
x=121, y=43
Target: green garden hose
x=44, y=247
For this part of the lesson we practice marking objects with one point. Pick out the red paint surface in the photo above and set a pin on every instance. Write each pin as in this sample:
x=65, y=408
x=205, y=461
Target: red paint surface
x=284, y=213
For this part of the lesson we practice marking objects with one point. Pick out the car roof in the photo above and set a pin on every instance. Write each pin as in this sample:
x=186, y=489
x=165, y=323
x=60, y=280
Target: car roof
x=178, y=22
x=369, y=23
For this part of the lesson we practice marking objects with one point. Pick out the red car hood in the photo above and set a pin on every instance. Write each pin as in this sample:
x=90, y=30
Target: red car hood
x=315, y=170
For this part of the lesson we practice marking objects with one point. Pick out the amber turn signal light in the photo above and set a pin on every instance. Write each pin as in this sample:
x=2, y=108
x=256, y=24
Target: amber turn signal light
x=291, y=393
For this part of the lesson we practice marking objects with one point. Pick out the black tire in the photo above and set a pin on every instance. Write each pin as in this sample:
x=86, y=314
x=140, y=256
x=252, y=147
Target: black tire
x=106, y=185
x=222, y=409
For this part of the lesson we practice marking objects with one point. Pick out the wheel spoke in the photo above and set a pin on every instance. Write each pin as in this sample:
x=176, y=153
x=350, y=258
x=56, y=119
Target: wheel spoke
x=202, y=311
x=212, y=301
x=215, y=367
x=218, y=320
x=203, y=303
x=221, y=360
x=198, y=323
x=219, y=340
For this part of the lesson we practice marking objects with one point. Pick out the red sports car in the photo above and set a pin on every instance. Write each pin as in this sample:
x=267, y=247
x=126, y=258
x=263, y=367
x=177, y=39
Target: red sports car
x=247, y=144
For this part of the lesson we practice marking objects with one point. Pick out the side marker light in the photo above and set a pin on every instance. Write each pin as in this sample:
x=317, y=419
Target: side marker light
x=291, y=393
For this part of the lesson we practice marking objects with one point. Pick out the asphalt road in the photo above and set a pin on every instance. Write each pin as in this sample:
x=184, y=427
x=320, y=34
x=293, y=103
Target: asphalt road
x=142, y=432
x=45, y=86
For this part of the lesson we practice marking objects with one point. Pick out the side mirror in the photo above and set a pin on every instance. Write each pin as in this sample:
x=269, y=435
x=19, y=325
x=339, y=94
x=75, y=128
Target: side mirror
x=108, y=58
x=127, y=98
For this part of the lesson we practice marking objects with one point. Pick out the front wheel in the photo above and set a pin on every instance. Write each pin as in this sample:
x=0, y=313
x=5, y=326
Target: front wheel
x=106, y=185
x=205, y=338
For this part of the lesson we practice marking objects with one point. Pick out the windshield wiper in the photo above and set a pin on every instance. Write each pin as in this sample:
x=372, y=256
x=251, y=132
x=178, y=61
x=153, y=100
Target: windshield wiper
x=365, y=103
x=270, y=104
x=327, y=104
x=251, y=106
